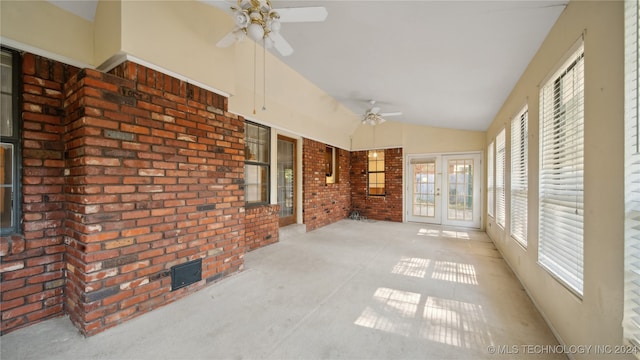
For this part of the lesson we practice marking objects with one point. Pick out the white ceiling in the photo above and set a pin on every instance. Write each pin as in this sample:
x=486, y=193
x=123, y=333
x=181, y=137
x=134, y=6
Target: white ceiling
x=442, y=63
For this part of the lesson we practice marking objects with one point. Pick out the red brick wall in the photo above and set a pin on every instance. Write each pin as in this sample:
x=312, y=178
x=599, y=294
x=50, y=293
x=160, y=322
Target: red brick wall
x=261, y=226
x=135, y=172
x=32, y=263
x=155, y=172
x=388, y=207
x=324, y=203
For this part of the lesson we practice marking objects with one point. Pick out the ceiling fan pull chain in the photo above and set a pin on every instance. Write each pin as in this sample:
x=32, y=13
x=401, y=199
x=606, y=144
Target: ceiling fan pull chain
x=255, y=66
x=264, y=74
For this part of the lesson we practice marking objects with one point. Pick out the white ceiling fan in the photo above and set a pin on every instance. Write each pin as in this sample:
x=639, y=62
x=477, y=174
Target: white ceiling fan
x=373, y=116
x=257, y=20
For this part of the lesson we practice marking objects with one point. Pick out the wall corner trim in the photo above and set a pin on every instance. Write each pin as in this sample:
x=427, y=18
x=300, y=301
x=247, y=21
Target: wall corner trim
x=121, y=57
x=4, y=41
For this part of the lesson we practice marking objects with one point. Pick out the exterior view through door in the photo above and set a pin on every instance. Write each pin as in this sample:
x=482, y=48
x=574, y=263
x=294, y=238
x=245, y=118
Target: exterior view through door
x=453, y=199
x=287, y=180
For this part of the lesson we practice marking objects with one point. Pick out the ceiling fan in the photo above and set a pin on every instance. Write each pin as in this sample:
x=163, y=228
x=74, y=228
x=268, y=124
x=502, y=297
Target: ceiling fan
x=257, y=20
x=373, y=116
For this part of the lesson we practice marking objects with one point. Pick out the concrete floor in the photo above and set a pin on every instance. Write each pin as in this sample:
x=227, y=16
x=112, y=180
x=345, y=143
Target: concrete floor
x=351, y=290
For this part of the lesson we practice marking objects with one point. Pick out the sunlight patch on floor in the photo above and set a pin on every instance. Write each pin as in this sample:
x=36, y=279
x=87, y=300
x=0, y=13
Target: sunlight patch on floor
x=409, y=314
x=455, y=323
x=455, y=272
x=455, y=234
x=415, y=267
x=392, y=311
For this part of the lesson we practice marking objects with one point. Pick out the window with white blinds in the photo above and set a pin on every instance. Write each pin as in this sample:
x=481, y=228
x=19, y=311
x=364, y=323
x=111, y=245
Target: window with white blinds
x=500, y=195
x=631, y=322
x=519, y=176
x=560, y=248
x=490, y=183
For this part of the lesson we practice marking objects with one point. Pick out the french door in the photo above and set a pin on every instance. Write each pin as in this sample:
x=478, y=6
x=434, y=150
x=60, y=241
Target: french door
x=444, y=189
x=287, y=180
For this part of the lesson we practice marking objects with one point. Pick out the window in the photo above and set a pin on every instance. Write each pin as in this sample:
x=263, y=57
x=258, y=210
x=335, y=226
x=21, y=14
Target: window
x=331, y=165
x=376, y=172
x=256, y=164
x=490, y=183
x=500, y=195
x=631, y=322
x=10, y=144
x=519, y=173
x=560, y=249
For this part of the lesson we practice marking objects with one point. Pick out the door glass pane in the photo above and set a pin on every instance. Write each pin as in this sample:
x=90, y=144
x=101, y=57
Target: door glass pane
x=286, y=172
x=6, y=185
x=424, y=199
x=460, y=178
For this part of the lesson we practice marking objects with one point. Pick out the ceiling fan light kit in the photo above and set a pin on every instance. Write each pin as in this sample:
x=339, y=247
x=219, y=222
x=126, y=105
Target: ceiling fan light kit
x=374, y=117
x=257, y=20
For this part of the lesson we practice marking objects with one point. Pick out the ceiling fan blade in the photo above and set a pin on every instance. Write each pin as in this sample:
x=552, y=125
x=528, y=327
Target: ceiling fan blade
x=391, y=114
x=281, y=44
x=302, y=14
x=227, y=40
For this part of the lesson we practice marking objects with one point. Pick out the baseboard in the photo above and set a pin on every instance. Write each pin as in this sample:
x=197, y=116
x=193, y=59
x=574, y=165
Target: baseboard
x=533, y=300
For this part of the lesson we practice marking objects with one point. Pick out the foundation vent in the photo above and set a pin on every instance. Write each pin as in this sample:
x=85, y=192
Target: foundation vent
x=186, y=274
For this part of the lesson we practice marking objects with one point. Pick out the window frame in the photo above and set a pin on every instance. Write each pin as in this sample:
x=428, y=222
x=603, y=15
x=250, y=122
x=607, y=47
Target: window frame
x=631, y=313
x=262, y=164
x=384, y=166
x=16, y=140
x=491, y=202
x=561, y=208
x=519, y=179
x=332, y=167
x=500, y=178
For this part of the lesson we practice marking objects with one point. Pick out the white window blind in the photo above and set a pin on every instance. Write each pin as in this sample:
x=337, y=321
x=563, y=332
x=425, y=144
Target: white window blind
x=560, y=249
x=500, y=162
x=519, y=176
x=631, y=321
x=490, y=183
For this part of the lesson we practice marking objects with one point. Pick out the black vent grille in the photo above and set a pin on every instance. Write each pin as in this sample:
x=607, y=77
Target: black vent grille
x=186, y=274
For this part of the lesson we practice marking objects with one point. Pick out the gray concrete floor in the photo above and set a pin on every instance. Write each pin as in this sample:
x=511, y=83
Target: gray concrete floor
x=351, y=290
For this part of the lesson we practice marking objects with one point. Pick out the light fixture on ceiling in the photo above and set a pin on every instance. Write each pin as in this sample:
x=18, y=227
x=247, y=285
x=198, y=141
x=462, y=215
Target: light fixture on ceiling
x=373, y=116
x=372, y=119
x=257, y=20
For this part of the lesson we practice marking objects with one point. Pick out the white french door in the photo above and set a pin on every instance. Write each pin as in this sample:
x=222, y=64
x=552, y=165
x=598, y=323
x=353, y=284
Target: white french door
x=424, y=200
x=444, y=189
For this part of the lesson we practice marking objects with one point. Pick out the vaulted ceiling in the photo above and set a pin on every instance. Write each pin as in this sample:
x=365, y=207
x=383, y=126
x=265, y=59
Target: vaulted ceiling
x=441, y=63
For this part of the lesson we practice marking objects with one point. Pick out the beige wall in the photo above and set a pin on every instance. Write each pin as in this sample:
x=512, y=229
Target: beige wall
x=180, y=37
x=107, y=35
x=38, y=24
x=187, y=47
x=417, y=139
x=595, y=319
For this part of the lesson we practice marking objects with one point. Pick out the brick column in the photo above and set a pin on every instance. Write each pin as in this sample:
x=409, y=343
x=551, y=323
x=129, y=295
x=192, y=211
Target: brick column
x=154, y=179
x=323, y=203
